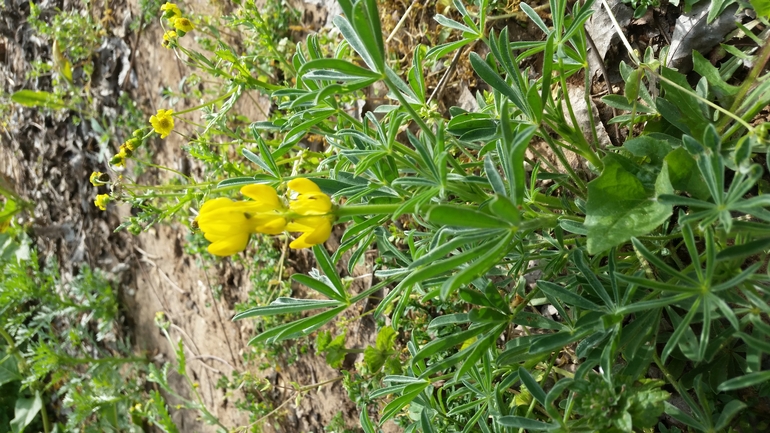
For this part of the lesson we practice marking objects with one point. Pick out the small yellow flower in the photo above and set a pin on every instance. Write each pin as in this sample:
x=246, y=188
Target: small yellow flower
x=162, y=122
x=228, y=224
x=168, y=38
x=98, y=178
x=171, y=10
x=101, y=201
x=314, y=214
x=183, y=24
x=119, y=160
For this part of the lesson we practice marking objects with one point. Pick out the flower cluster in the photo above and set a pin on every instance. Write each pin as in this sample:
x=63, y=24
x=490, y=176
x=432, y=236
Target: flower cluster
x=180, y=24
x=228, y=224
x=126, y=150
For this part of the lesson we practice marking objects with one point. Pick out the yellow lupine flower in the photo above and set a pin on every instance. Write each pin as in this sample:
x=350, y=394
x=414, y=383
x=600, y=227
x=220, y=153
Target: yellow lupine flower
x=227, y=224
x=101, y=201
x=162, y=122
x=313, y=209
x=183, y=24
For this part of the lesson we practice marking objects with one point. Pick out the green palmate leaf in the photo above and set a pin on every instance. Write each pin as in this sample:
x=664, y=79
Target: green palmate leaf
x=463, y=216
x=318, y=286
x=297, y=328
x=411, y=392
x=567, y=296
x=744, y=250
x=728, y=413
x=496, y=81
x=532, y=386
x=286, y=306
x=325, y=262
x=490, y=258
x=548, y=343
x=338, y=65
x=525, y=423
x=620, y=205
x=350, y=35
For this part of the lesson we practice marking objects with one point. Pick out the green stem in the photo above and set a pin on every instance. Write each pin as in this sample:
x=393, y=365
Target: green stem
x=207, y=104
x=699, y=98
x=750, y=81
x=367, y=209
x=416, y=117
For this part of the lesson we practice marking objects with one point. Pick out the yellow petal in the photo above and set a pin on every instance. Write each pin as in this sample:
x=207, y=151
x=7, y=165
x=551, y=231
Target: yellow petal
x=273, y=226
x=230, y=245
x=262, y=194
x=303, y=186
x=311, y=204
x=316, y=231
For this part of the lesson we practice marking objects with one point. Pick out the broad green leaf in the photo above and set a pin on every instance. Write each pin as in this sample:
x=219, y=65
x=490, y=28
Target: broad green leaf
x=684, y=174
x=25, y=412
x=649, y=147
x=684, y=100
x=548, y=343
x=448, y=319
x=716, y=83
x=501, y=207
x=450, y=341
x=9, y=370
x=762, y=7
x=534, y=320
x=619, y=205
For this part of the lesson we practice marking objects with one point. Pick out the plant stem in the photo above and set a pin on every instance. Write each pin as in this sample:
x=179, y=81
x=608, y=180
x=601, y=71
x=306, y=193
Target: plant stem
x=416, y=117
x=367, y=209
x=750, y=81
x=207, y=104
